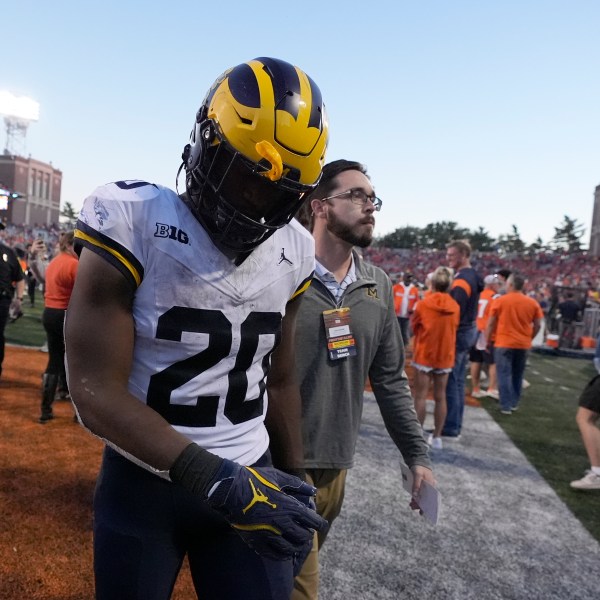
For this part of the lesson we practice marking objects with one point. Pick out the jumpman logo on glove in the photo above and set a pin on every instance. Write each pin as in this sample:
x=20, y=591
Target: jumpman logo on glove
x=257, y=496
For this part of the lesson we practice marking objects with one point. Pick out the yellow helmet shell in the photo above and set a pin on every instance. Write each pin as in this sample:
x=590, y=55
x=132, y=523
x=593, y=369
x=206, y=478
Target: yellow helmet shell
x=270, y=100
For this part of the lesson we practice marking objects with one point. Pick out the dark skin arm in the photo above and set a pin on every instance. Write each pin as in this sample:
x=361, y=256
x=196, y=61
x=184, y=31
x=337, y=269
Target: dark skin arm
x=283, y=419
x=99, y=335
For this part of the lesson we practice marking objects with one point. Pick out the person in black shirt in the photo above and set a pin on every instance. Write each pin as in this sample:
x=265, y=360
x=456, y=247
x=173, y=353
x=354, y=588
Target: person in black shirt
x=11, y=278
x=570, y=312
x=569, y=309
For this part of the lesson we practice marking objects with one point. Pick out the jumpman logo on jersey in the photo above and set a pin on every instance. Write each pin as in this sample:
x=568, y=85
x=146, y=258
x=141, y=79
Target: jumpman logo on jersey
x=284, y=258
x=258, y=496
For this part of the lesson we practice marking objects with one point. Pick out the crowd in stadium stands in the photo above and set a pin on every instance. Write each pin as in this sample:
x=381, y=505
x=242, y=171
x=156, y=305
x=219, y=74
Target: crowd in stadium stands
x=545, y=272
x=21, y=235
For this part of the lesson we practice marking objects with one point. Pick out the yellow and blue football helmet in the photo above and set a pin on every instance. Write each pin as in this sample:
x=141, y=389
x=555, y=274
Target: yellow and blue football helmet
x=257, y=148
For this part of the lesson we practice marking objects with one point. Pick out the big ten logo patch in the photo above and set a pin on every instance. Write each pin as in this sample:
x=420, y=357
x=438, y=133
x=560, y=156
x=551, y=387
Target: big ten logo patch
x=173, y=233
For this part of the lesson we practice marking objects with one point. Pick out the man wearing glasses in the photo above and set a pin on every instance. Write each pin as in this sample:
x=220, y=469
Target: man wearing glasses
x=346, y=331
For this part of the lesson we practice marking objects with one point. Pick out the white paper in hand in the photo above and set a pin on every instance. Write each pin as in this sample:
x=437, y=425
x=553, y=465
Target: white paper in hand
x=429, y=500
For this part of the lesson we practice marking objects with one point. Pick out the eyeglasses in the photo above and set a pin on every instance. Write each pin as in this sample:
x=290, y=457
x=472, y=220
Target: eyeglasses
x=357, y=197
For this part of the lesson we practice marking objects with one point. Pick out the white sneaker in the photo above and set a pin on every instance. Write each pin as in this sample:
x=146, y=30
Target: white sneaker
x=590, y=481
x=495, y=394
x=526, y=384
x=436, y=443
x=478, y=394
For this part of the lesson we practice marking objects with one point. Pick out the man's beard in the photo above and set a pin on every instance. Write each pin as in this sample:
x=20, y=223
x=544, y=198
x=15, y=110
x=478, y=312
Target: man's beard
x=346, y=233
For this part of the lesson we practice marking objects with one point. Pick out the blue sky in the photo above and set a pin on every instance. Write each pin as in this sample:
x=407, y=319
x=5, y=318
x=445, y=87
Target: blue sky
x=483, y=112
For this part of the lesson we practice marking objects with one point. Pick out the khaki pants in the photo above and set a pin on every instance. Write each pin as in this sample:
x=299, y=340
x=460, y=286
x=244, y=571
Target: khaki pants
x=330, y=484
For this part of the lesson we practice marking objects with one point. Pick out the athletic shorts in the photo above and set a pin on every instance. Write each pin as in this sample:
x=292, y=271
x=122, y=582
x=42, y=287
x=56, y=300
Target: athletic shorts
x=482, y=356
x=426, y=369
x=590, y=397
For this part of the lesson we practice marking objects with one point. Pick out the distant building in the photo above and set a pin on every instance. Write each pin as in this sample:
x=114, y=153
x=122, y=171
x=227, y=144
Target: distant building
x=38, y=183
x=595, y=232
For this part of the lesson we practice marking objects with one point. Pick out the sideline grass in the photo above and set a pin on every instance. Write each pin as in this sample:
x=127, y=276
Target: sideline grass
x=28, y=330
x=544, y=429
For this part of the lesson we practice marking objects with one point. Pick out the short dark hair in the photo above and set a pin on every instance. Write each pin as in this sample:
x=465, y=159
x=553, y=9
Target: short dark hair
x=326, y=186
x=504, y=273
x=518, y=281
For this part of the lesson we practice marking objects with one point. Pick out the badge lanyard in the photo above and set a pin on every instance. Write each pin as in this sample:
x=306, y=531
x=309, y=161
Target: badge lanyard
x=340, y=341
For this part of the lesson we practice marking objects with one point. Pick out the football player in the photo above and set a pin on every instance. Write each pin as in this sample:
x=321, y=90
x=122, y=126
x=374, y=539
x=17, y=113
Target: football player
x=182, y=306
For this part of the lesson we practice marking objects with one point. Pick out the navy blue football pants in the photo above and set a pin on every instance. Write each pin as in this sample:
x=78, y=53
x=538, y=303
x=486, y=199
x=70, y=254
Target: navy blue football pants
x=143, y=528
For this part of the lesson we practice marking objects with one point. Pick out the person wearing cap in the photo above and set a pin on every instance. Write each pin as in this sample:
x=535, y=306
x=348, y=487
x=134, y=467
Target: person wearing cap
x=502, y=275
x=482, y=352
x=12, y=279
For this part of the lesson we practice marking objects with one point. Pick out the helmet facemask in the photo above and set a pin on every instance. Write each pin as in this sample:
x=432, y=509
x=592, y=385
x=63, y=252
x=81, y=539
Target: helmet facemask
x=237, y=204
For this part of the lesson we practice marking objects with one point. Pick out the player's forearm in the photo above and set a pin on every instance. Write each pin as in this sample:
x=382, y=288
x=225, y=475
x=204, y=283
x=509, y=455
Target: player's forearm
x=113, y=414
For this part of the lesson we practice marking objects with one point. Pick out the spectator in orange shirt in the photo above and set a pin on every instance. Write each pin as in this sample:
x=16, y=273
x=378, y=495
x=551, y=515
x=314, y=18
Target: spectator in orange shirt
x=434, y=323
x=483, y=350
x=59, y=279
x=406, y=294
x=515, y=318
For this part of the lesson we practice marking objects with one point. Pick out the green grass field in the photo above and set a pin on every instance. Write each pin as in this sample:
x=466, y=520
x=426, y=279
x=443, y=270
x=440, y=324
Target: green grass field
x=543, y=429
x=28, y=330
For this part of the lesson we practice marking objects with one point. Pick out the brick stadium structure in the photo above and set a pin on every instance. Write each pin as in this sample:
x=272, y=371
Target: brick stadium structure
x=39, y=186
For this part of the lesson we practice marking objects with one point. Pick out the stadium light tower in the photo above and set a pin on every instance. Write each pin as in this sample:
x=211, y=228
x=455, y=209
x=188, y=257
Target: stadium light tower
x=18, y=112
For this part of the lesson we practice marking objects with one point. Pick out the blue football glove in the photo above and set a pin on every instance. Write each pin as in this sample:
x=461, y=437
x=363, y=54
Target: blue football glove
x=271, y=510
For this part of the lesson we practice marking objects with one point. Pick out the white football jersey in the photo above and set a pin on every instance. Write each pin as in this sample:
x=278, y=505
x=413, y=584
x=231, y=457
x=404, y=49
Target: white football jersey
x=204, y=328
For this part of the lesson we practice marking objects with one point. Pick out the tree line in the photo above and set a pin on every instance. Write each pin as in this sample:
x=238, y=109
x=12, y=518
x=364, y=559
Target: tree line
x=567, y=237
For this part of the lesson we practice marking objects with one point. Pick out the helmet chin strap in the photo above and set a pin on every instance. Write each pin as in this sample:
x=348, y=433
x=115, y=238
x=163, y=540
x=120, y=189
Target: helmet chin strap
x=181, y=166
